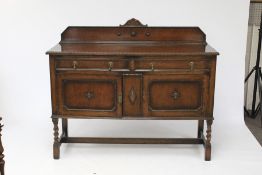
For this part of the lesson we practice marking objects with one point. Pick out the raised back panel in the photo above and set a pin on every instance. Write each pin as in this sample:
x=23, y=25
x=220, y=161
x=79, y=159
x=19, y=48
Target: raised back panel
x=133, y=30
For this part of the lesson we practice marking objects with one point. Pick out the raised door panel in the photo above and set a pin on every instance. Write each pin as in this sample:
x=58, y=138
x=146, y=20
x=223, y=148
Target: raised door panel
x=173, y=96
x=90, y=95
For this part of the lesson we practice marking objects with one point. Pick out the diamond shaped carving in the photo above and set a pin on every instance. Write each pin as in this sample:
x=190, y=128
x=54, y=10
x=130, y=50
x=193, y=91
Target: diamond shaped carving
x=132, y=95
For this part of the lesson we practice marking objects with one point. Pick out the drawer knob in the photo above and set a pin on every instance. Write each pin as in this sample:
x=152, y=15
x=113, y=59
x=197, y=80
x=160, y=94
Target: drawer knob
x=175, y=95
x=133, y=33
x=110, y=65
x=147, y=34
x=192, y=65
x=89, y=95
x=75, y=64
x=132, y=65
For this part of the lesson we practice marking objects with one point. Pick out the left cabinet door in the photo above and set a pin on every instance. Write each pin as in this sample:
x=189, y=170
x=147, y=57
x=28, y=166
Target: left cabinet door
x=83, y=95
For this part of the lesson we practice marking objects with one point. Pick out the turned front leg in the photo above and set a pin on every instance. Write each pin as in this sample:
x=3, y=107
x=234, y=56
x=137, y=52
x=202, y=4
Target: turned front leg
x=56, y=145
x=208, y=141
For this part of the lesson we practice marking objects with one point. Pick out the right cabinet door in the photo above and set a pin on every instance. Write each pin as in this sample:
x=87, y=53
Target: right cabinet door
x=172, y=95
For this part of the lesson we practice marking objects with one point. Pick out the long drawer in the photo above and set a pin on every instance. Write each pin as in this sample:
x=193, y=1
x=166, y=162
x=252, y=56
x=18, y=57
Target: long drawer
x=135, y=64
x=170, y=64
x=74, y=64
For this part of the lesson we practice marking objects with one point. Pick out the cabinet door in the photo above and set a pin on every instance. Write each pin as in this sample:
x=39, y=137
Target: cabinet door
x=175, y=95
x=132, y=93
x=90, y=95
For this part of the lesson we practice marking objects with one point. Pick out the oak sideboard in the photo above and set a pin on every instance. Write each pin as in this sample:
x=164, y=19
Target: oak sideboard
x=133, y=72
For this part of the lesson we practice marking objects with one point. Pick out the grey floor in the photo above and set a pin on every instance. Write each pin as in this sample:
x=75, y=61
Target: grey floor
x=254, y=125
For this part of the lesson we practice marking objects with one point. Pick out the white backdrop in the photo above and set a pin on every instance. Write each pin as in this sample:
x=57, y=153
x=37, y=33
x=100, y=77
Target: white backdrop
x=29, y=28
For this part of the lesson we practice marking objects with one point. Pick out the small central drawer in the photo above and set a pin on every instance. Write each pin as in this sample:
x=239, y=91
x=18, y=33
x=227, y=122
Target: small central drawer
x=91, y=64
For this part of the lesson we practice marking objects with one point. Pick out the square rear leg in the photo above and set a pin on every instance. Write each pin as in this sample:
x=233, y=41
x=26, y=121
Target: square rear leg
x=200, y=128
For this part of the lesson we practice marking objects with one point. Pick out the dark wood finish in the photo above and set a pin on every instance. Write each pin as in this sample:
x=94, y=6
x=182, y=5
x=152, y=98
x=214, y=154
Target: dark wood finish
x=132, y=140
x=133, y=72
x=131, y=117
x=2, y=162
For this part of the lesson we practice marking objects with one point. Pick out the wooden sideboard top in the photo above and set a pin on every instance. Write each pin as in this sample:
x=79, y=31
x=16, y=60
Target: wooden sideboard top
x=133, y=38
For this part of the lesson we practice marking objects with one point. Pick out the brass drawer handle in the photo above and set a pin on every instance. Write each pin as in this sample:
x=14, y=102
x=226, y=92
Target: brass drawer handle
x=110, y=65
x=175, y=95
x=75, y=64
x=152, y=66
x=192, y=65
x=89, y=95
x=120, y=99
